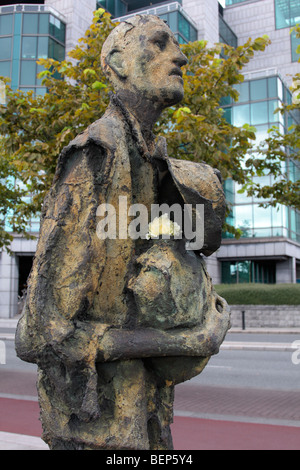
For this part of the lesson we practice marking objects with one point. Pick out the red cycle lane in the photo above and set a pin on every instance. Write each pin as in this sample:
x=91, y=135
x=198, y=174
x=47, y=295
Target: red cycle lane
x=22, y=417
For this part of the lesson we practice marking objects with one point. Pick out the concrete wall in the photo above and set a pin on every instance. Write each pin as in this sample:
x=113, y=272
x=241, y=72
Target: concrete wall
x=255, y=19
x=206, y=14
x=266, y=316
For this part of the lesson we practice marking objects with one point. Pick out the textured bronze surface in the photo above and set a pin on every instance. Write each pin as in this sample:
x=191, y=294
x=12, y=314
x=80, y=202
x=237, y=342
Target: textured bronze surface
x=115, y=324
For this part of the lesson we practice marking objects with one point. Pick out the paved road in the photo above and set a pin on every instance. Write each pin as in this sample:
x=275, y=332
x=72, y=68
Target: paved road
x=243, y=400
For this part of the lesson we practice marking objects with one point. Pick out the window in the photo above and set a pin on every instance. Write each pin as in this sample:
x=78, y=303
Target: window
x=57, y=29
x=238, y=272
x=56, y=50
x=30, y=23
x=44, y=24
x=5, y=48
x=259, y=112
x=243, y=89
x=28, y=72
x=258, y=90
x=115, y=7
x=5, y=69
x=287, y=13
x=234, y=2
x=43, y=47
x=6, y=25
x=241, y=115
x=181, y=27
x=29, y=44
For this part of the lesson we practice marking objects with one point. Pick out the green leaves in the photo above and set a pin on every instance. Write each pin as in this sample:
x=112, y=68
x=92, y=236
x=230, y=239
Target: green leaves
x=98, y=85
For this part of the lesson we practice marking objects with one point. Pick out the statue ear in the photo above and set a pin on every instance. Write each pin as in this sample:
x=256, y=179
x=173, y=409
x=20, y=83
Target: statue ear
x=115, y=61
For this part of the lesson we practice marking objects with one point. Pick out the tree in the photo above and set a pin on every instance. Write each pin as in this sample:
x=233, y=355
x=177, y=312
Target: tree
x=35, y=129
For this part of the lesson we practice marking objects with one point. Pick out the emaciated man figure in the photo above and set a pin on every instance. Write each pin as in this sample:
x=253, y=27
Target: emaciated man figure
x=115, y=324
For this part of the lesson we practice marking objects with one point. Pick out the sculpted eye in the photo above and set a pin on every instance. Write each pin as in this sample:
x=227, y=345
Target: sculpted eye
x=161, y=44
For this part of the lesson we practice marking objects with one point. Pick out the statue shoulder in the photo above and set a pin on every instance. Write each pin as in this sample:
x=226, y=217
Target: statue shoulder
x=104, y=132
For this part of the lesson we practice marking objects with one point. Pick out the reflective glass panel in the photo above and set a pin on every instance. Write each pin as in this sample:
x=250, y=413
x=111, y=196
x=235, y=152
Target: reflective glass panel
x=262, y=216
x=57, y=29
x=29, y=47
x=5, y=48
x=56, y=50
x=228, y=115
x=275, y=117
x=30, y=23
x=243, y=89
x=261, y=133
x=272, y=87
x=258, y=90
x=277, y=216
x=241, y=115
x=43, y=47
x=6, y=25
x=259, y=113
x=243, y=217
x=244, y=271
x=28, y=72
x=173, y=21
x=5, y=69
x=44, y=24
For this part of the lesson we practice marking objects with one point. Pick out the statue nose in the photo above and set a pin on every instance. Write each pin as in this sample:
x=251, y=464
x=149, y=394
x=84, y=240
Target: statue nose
x=181, y=60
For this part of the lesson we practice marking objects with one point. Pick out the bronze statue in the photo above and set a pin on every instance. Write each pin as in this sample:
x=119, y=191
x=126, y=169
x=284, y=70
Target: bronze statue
x=115, y=323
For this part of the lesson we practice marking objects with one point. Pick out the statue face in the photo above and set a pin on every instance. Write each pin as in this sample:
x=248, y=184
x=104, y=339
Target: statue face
x=154, y=64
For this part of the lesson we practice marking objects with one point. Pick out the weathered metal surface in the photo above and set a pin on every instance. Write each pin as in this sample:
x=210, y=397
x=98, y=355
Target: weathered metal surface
x=114, y=324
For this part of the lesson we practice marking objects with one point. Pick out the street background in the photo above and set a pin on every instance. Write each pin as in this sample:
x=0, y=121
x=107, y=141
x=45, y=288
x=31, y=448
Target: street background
x=247, y=398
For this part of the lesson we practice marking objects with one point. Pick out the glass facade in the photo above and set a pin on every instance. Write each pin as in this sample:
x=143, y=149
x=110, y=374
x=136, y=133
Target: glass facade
x=26, y=37
x=119, y=8
x=238, y=272
x=171, y=12
x=184, y=31
x=257, y=103
x=115, y=7
x=287, y=13
x=234, y=2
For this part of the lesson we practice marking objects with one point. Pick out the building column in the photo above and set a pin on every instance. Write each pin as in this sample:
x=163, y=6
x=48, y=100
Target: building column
x=294, y=270
x=9, y=276
x=286, y=271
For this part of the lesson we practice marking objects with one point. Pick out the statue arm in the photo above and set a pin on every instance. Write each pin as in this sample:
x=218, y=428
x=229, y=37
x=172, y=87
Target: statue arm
x=201, y=341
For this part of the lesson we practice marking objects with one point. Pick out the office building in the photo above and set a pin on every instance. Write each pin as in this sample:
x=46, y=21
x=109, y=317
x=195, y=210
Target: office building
x=269, y=249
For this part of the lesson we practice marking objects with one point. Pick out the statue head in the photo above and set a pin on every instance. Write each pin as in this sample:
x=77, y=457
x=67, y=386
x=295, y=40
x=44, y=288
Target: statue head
x=142, y=58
